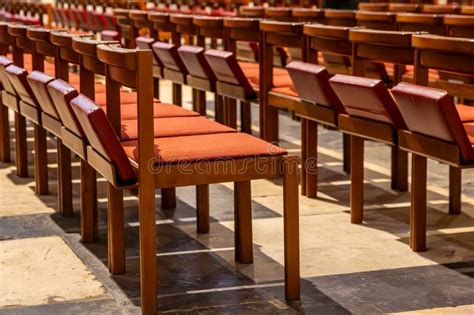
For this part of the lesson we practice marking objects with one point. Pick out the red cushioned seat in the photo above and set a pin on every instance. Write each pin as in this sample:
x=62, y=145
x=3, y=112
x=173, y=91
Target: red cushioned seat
x=367, y=98
x=196, y=64
x=466, y=112
x=101, y=136
x=431, y=112
x=5, y=62
x=169, y=57
x=175, y=126
x=312, y=84
x=160, y=110
x=207, y=148
x=38, y=82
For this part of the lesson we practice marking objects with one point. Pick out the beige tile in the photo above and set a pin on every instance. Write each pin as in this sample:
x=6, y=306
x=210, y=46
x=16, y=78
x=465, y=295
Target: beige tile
x=41, y=271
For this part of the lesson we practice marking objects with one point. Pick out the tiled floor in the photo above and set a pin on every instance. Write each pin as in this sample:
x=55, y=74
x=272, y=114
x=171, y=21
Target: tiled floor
x=346, y=268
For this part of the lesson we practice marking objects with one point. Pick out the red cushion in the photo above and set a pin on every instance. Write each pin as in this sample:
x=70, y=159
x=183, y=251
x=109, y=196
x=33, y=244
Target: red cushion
x=367, y=98
x=160, y=110
x=5, y=62
x=466, y=112
x=432, y=112
x=168, y=55
x=196, y=64
x=17, y=77
x=102, y=137
x=174, y=127
x=61, y=94
x=207, y=148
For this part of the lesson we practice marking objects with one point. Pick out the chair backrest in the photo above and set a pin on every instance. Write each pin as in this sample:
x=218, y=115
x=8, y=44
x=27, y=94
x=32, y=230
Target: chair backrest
x=431, y=112
x=102, y=138
x=367, y=98
x=66, y=54
x=21, y=43
x=418, y=22
x=312, y=84
x=451, y=54
x=459, y=25
x=376, y=20
x=208, y=27
x=307, y=15
x=451, y=8
x=340, y=17
x=242, y=30
x=404, y=7
x=373, y=7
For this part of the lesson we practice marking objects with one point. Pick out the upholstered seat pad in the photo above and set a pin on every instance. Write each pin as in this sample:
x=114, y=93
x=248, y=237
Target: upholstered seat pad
x=206, y=148
x=466, y=112
x=174, y=127
x=286, y=90
x=160, y=110
x=251, y=70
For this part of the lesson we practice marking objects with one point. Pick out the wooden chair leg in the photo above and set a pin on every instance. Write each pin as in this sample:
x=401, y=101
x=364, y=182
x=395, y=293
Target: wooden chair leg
x=219, y=108
x=454, y=190
x=231, y=112
x=41, y=161
x=304, y=126
x=4, y=135
x=270, y=124
x=346, y=153
x=399, y=169
x=156, y=88
x=89, y=215
x=202, y=198
x=357, y=180
x=311, y=165
x=148, y=272
x=199, y=102
x=418, y=203
x=168, y=198
x=64, y=180
x=245, y=117
x=21, y=148
x=291, y=228
x=243, y=222
x=177, y=94
x=115, y=230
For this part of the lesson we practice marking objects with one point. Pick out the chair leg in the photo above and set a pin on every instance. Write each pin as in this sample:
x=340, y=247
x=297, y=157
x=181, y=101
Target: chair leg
x=357, y=180
x=199, y=102
x=21, y=148
x=116, y=230
x=291, y=228
x=202, y=198
x=219, y=108
x=177, y=94
x=270, y=124
x=231, y=112
x=304, y=126
x=245, y=117
x=346, y=153
x=41, y=161
x=89, y=215
x=148, y=272
x=64, y=180
x=4, y=135
x=311, y=165
x=399, y=169
x=418, y=204
x=454, y=190
x=243, y=222
x=168, y=198
x=156, y=88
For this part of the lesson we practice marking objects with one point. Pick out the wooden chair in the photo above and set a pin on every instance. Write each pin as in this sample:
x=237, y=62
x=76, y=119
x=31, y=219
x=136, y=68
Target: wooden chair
x=441, y=136
x=451, y=8
x=459, y=25
x=404, y=7
x=340, y=17
x=373, y=7
x=134, y=69
x=6, y=41
x=377, y=20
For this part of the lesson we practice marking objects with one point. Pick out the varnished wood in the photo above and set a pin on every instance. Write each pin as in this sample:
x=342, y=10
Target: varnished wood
x=357, y=179
x=89, y=214
x=418, y=204
x=246, y=117
x=399, y=180
x=41, y=161
x=291, y=228
x=115, y=230
x=21, y=148
x=243, y=222
x=455, y=190
x=304, y=127
x=202, y=208
x=64, y=180
x=5, y=155
x=311, y=166
x=168, y=198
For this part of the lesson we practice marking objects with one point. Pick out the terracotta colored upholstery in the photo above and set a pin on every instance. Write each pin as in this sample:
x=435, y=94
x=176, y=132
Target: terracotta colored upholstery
x=466, y=112
x=207, y=148
x=168, y=55
x=312, y=84
x=196, y=64
x=227, y=69
x=431, y=112
x=61, y=94
x=175, y=126
x=102, y=138
x=38, y=82
x=128, y=111
x=17, y=77
x=367, y=98
x=144, y=42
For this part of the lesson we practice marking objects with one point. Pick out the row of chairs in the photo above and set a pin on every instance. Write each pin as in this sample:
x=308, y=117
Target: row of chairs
x=389, y=55
x=133, y=141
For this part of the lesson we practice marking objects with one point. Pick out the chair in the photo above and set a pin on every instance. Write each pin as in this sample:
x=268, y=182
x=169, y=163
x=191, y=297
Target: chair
x=421, y=22
x=459, y=25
